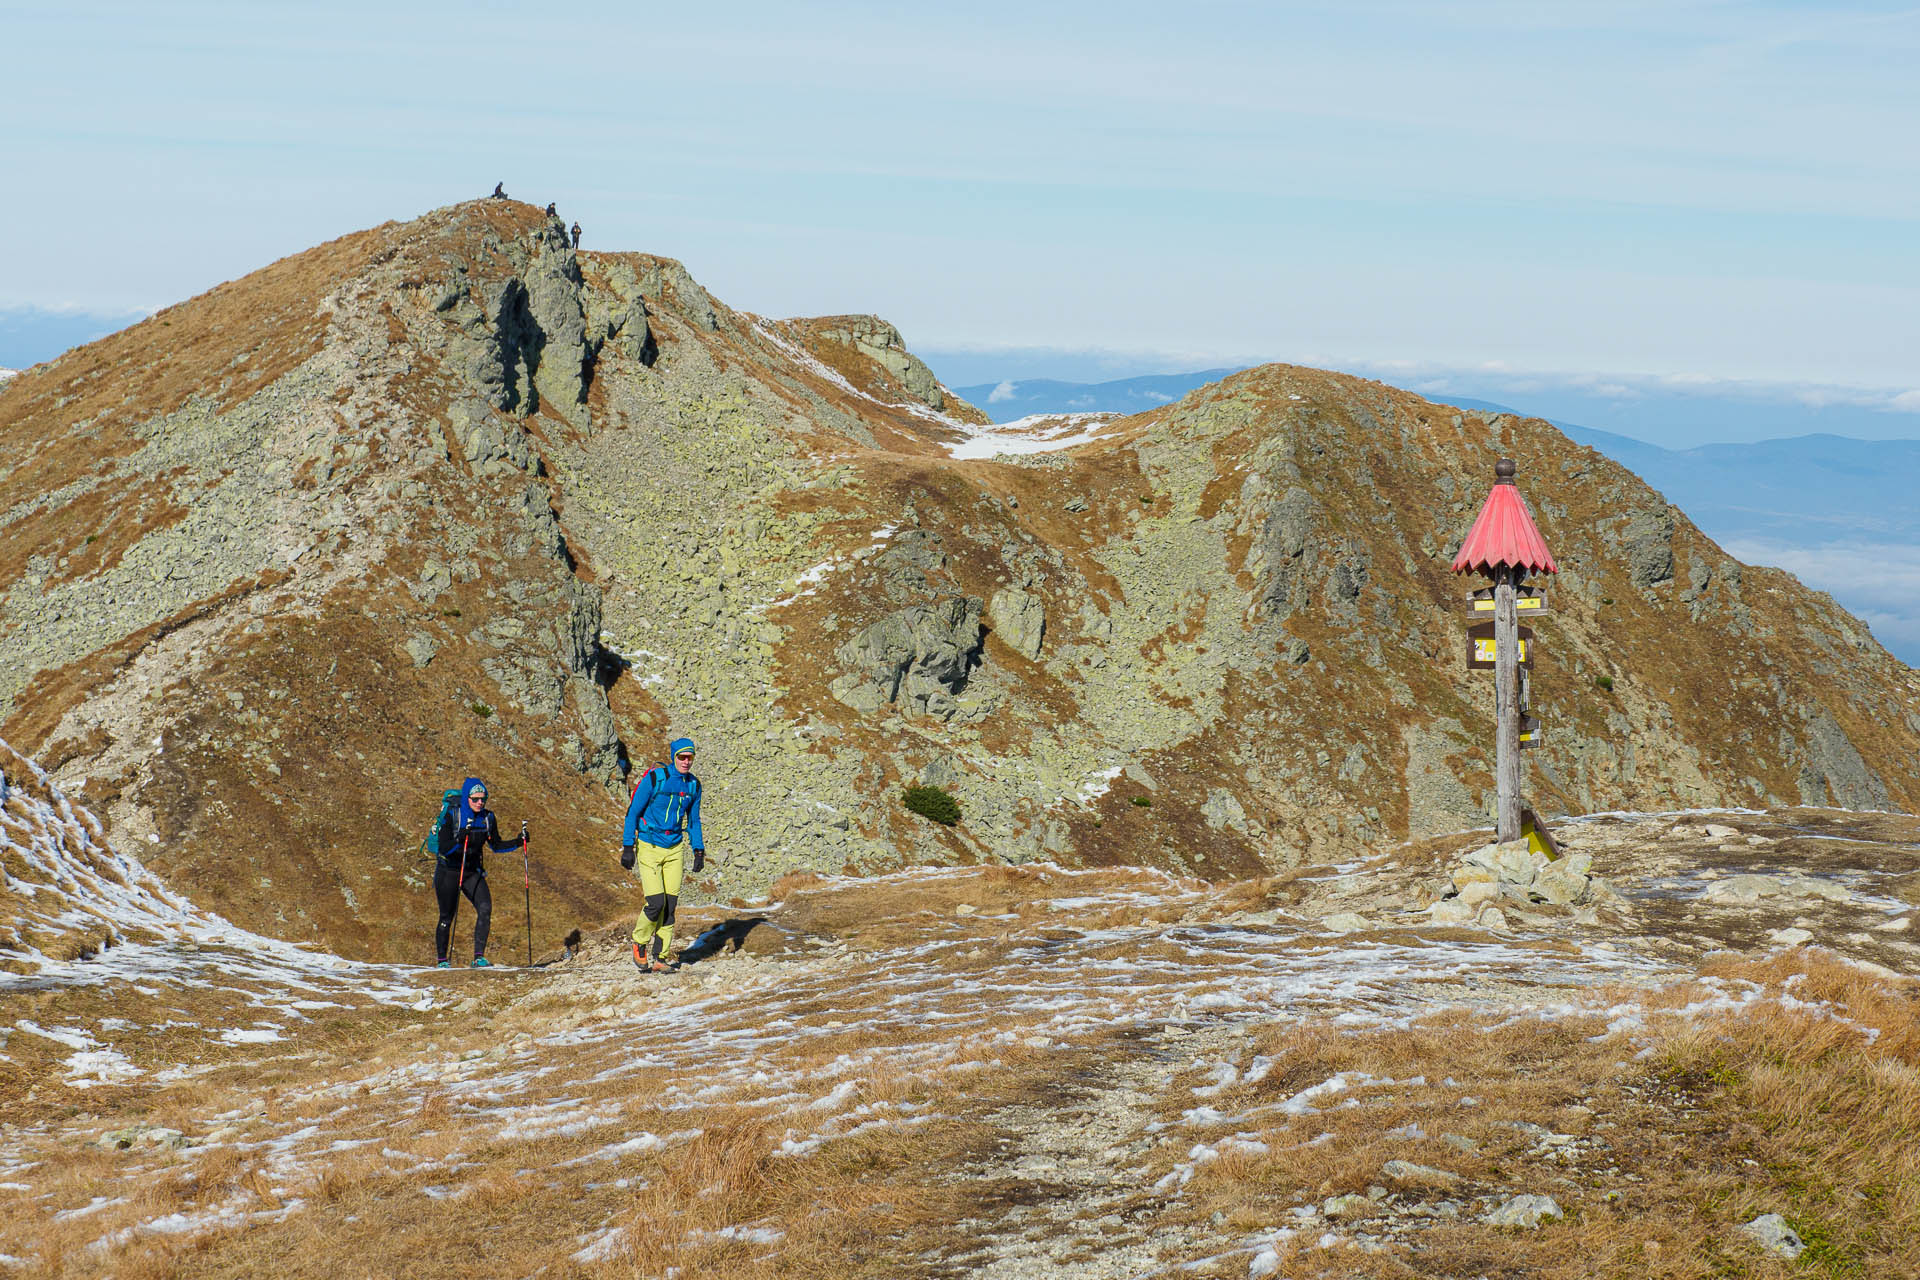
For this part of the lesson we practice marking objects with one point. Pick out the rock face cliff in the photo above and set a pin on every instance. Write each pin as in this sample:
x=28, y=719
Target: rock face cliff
x=281, y=562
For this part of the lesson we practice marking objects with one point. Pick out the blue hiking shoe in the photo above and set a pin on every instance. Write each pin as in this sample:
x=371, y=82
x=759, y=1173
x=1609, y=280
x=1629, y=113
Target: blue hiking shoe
x=481, y=962
x=444, y=964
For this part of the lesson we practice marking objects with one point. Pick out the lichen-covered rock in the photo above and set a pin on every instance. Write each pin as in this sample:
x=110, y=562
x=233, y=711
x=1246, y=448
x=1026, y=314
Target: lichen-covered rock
x=1020, y=619
x=919, y=656
x=1525, y=1212
x=1224, y=810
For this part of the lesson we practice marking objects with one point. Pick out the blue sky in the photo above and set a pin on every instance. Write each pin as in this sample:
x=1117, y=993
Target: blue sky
x=1681, y=189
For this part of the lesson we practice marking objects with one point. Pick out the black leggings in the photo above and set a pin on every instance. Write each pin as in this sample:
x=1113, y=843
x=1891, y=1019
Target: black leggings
x=448, y=888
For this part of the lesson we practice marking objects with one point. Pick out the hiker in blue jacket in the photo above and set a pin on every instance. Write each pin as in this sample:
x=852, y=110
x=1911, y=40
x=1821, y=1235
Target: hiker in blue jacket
x=665, y=803
x=466, y=833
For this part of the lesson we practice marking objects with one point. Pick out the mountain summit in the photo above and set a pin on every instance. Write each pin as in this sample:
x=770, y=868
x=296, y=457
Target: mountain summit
x=448, y=496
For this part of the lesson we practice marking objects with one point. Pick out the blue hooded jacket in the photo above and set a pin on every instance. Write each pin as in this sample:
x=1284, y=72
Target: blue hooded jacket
x=664, y=803
x=466, y=835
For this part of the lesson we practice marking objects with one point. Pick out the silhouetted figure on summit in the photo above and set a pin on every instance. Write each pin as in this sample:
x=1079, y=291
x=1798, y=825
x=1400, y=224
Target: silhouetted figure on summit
x=576, y=235
x=551, y=212
x=499, y=191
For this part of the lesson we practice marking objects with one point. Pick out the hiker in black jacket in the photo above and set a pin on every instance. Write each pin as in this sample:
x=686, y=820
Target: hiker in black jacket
x=576, y=235
x=466, y=834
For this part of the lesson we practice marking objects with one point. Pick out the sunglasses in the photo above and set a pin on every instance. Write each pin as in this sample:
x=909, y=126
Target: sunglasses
x=684, y=755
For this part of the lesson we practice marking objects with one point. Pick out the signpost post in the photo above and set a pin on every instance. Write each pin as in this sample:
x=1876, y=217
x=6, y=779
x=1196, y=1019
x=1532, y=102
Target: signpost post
x=1505, y=545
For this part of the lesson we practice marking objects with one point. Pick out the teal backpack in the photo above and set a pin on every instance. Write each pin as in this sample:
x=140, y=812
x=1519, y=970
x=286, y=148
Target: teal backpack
x=449, y=804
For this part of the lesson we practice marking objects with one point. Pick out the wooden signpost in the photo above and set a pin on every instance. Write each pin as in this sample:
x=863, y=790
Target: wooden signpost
x=1505, y=546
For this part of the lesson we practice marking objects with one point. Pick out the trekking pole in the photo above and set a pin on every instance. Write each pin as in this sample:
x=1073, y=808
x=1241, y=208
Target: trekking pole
x=526, y=870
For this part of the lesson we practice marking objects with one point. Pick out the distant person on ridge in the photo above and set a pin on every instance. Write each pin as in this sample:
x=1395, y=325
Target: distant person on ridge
x=499, y=191
x=576, y=235
x=665, y=803
x=466, y=833
x=551, y=211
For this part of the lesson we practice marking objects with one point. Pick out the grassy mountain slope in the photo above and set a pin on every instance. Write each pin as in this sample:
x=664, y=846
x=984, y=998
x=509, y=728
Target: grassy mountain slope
x=283, y=561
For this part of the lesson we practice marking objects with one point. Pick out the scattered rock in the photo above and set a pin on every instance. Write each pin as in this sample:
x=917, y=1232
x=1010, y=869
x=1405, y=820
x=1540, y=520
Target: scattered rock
x=1344, y=922
x=1715, y=831
x=1419, y=1175
x=1527, y=1212
x=143, y=1137
x=1347, y=1206
x=1788, y=937
x=1222, y=809
x=1771, y=1232
x=1743, y=889
x=421, y=648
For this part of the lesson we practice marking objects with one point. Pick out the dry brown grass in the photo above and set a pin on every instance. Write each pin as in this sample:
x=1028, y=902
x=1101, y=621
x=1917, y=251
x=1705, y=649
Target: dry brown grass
x=1770, y=1109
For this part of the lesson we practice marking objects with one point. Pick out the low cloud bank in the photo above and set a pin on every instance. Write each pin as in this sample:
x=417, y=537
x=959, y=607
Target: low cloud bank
x=1877, y=582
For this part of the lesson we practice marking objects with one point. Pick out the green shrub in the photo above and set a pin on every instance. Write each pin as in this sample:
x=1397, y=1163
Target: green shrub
x=1604, y=682
x=1143, y=801
x=481, y=709
x=932, y=803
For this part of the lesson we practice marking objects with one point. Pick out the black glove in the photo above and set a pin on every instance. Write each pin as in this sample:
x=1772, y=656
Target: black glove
x=626, y=857
x=699, y=861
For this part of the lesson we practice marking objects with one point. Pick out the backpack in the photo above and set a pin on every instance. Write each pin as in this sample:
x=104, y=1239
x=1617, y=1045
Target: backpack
x=665, y=770
x=449, y=804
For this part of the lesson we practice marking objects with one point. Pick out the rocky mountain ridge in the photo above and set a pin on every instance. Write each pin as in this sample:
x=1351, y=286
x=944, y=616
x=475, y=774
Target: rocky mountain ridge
x=447, y=496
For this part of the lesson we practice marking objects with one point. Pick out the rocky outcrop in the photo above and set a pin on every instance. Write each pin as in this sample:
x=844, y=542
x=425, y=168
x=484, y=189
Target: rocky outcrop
x=560, y=357
x=1020, y=619
x=918, y=657
x=873, y=356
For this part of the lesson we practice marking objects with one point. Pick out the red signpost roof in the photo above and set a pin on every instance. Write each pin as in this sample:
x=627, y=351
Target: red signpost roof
x=1504, y=533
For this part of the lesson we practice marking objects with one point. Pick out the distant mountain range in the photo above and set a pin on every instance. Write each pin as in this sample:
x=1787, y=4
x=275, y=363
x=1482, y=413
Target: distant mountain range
x=1837, y=511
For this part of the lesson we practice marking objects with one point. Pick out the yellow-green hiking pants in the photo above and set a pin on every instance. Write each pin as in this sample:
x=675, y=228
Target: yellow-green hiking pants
x=660, y=880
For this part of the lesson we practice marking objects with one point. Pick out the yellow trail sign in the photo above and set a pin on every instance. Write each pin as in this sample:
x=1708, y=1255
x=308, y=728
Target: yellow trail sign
x=1526, y=603
x=1480, y=647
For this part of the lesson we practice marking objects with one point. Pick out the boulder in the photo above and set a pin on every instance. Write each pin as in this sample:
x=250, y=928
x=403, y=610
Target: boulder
x=1222, y=809
x=1476, y=892
x=1020, y=619
x=1419, y=1175
x=1513, y=862
x=1771, y=1232
x=1470, y=874
x=1526, y=1212
x=1450, y=911
x=1560, y=885
x=919, y=656
x=421, y=648
x=1743, y=889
